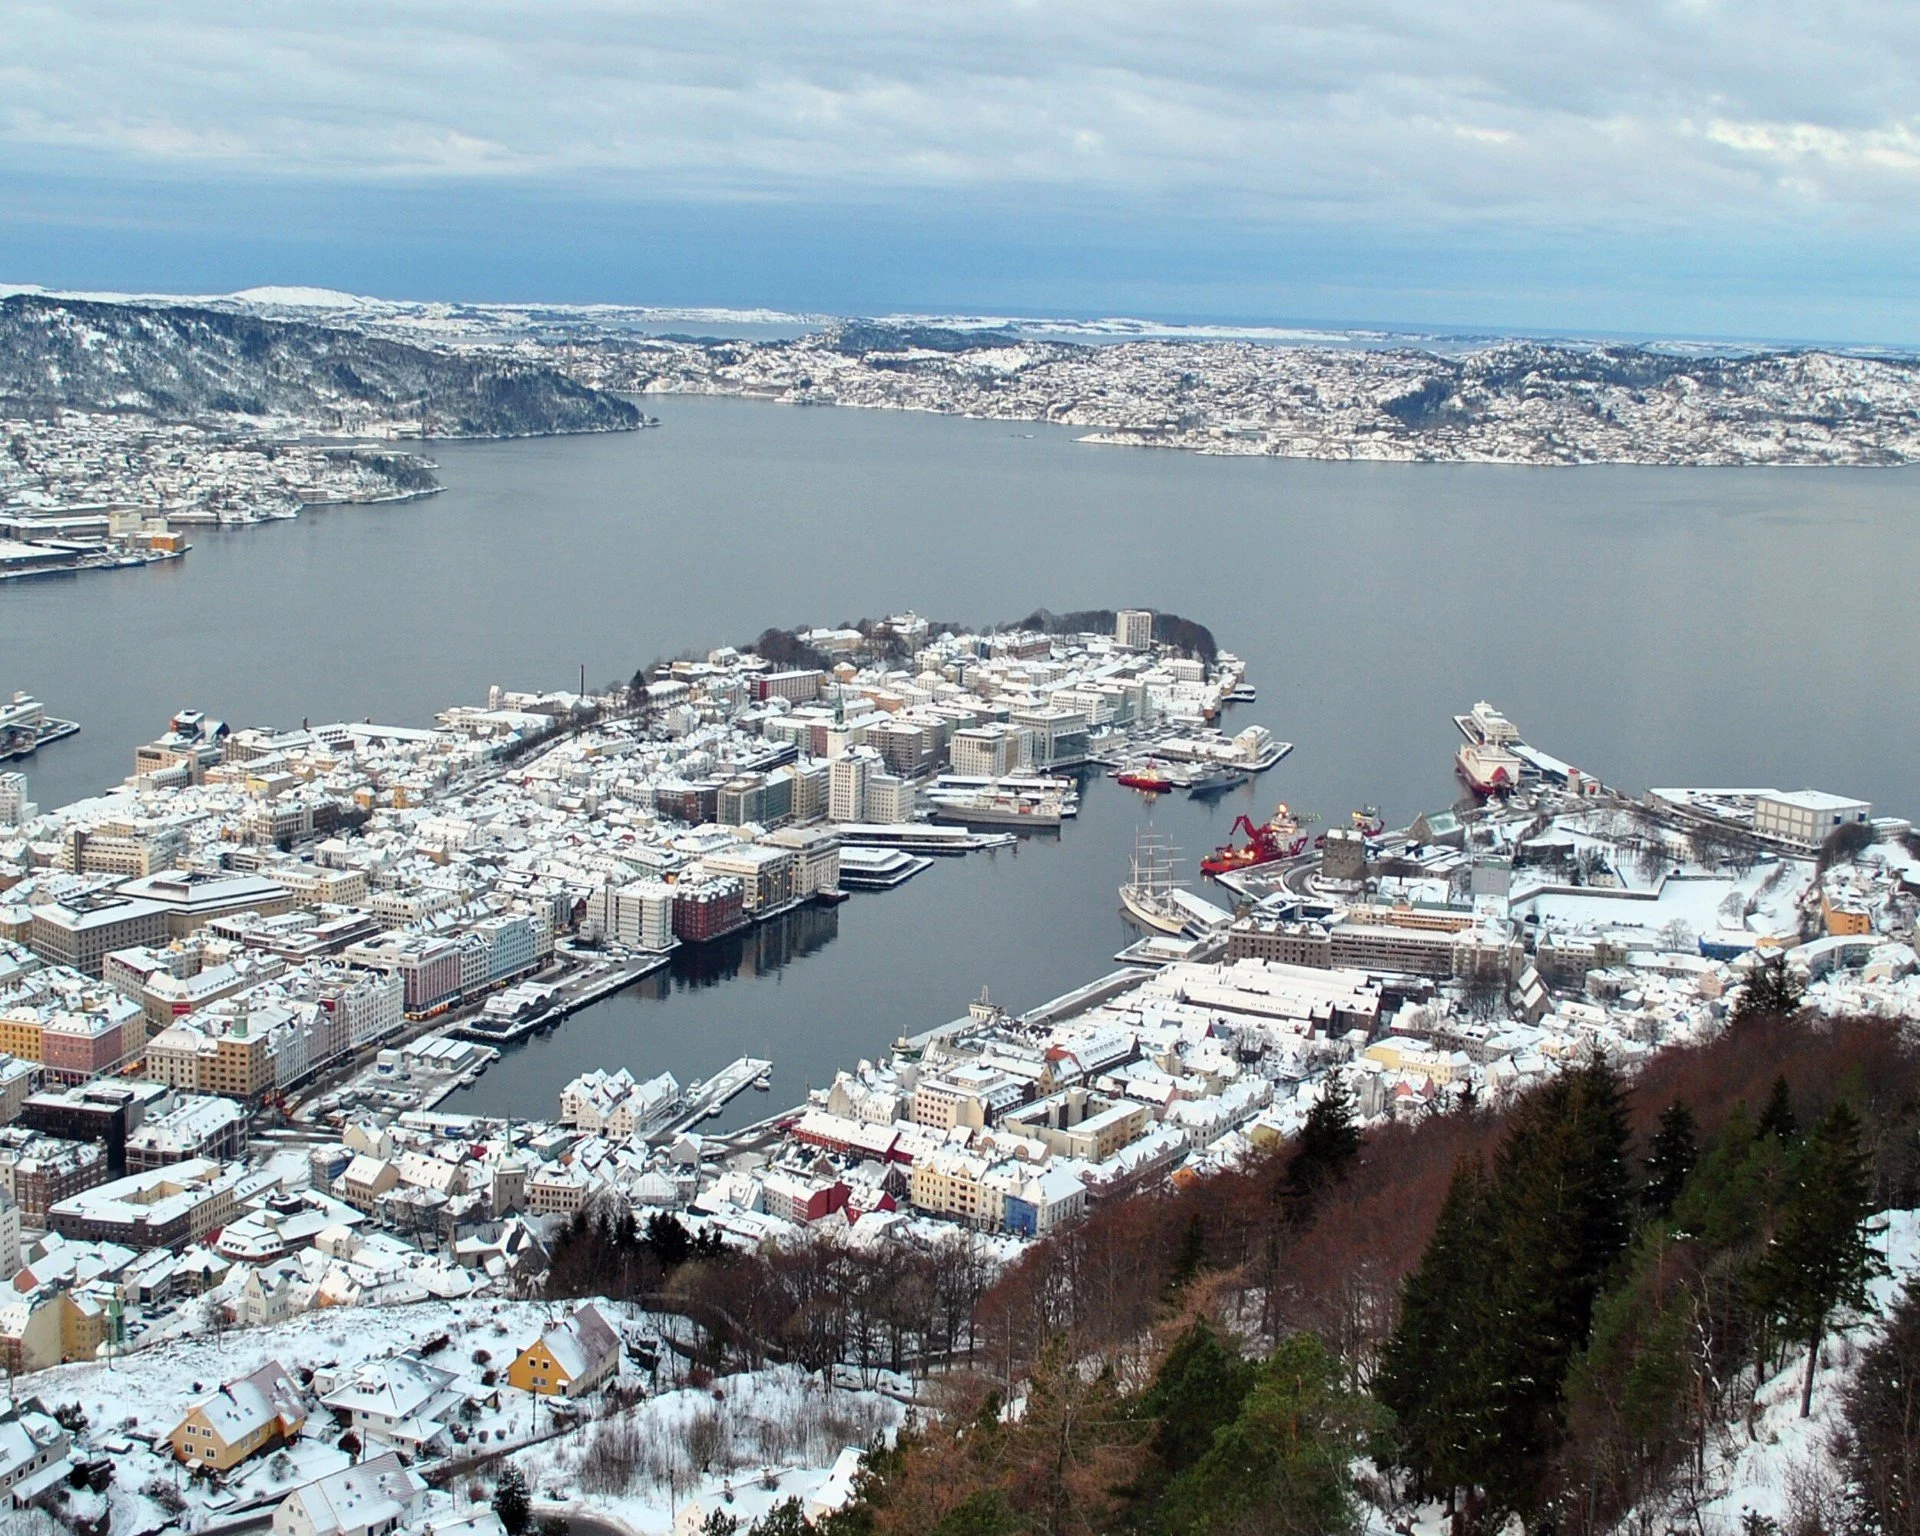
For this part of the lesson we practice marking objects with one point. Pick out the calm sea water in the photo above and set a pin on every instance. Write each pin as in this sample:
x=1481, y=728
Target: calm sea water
x=1651, y=625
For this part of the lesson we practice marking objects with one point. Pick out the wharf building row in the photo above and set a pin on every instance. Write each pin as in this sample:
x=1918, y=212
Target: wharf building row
x=1409, y=940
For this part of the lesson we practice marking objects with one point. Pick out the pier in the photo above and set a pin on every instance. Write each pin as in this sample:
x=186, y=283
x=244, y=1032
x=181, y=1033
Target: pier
x=710, y=1097
x=568, y=997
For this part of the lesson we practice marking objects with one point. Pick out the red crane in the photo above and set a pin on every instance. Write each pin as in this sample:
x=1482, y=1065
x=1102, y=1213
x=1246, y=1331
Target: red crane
x=1280, y=838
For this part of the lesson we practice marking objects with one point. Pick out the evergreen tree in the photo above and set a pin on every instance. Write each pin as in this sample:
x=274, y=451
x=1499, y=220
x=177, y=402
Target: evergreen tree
x=1329, y=1142
x=1191, y=1257
x=983, y=1512
x=1820, y=1259
x=1197, y=1390
x=1778, y=1118
x=1283, y=1464
x=1562, y=1216
x=671, y=1243
x=1772, y=990
x=1669, y=1159
x=1607, y=1182
x=784, y=1519
x=511, y=1501
x=1432, y=1375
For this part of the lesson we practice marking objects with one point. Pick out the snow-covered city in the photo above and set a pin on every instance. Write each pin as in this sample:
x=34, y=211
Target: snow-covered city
x=234, y=990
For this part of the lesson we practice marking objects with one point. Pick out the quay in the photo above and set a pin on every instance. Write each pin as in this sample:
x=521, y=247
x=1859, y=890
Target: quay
x=25, y=727
x=712, y=1096
x=567, y=998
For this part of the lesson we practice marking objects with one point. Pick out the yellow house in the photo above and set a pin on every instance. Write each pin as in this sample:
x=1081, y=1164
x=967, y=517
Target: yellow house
x=47, y=1326
x=1844, y=920
x=246, y=1416
x=572, y=1358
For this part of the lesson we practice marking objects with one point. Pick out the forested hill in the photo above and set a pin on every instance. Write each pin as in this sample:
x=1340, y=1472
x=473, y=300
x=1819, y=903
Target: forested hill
x=181, y=363
x=1670, y=1301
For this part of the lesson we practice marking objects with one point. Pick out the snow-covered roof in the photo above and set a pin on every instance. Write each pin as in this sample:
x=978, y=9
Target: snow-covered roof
x=395, y=1388
x=372, y=1495
x=241, y=1407
x=581, y=1342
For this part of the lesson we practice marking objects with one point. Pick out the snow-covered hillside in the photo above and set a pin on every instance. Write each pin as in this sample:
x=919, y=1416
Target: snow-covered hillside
x=180, y=363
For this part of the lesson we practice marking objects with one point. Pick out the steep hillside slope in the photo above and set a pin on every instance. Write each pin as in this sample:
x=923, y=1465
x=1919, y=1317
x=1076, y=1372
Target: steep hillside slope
x=183, y=363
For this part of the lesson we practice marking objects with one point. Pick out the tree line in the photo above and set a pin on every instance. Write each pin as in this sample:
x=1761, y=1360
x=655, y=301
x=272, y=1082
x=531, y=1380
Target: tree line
x=1537, y=1313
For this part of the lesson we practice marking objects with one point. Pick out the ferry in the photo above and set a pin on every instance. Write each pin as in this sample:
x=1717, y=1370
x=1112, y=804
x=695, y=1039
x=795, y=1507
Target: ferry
x=1483, y=725
x=1486, y=760
x=1488, y=770
x=1001, y=808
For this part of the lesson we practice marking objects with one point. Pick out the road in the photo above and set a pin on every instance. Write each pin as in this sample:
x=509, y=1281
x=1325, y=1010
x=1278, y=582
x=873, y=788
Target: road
x=580, y=1523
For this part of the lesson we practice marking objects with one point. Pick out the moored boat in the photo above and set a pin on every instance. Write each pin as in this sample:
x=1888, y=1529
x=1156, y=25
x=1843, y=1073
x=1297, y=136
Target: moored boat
x=1148, y=895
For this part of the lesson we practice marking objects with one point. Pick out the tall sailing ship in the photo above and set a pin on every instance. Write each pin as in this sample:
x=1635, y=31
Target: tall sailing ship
x=1149, y=895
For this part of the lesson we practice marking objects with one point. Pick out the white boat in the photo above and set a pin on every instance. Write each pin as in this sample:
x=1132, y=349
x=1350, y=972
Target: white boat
x=1148, y=896
x=1486, y=759
x=1485, y=726
x=1002, y=805
x=1488, y=770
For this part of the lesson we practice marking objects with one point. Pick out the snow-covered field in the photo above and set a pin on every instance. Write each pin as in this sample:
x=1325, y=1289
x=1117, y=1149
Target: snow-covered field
x=774, y=1434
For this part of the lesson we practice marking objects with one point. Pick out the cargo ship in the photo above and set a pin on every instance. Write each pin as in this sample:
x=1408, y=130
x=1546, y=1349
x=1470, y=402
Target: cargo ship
x=1280, y=838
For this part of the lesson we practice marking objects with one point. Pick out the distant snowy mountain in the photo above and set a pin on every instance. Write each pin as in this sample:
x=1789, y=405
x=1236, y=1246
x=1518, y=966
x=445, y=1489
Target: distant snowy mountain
x=190, y=362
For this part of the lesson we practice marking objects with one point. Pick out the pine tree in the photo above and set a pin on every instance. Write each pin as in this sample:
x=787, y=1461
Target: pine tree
x=1778, y=1118
x=1197, y=1389
x=1772, y=991
x=1329, y=1142
x=785, y=1519
x=1191, y=1257
x=1284, y=1464
x=1607, y=1183
x=1669, y=1159
x=1820, y=1259
x=1432, y=1375
x=1562, y=1202
x=511, y=1501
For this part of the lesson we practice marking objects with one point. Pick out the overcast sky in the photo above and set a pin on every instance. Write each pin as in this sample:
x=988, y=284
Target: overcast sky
x=1739, y=168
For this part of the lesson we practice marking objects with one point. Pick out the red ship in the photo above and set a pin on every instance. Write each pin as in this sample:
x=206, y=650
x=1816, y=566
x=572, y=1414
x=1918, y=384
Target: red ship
x=1149, y=778
x=1280, y=838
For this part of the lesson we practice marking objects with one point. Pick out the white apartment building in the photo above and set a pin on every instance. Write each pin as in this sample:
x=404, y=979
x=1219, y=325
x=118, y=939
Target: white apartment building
x=889, y=799
x=847, y=779
x=15, y=808
x=638, y=915
x=816, y=853
x=989, y=751
x=1133, y=628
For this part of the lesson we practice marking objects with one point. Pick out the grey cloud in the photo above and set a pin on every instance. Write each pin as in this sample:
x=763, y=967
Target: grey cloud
x=1646, y=112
